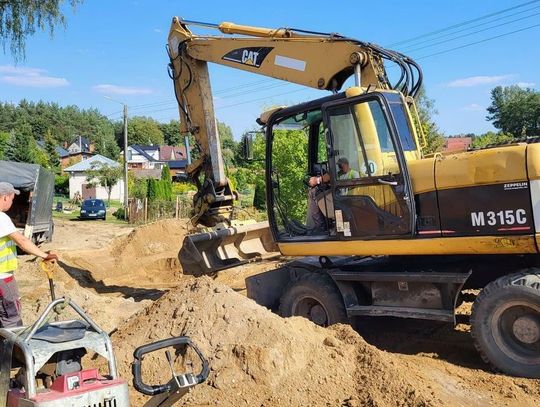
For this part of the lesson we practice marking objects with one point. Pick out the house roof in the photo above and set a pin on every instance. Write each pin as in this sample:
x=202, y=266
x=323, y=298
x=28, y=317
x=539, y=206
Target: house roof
x=167, y=153
x=142, y=151
x=86, y=165
x=82, y=142
x=62, y=152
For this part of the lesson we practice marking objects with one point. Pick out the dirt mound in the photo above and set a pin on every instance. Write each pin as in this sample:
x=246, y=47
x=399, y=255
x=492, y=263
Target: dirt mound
x=147, y=257
x=260, y=359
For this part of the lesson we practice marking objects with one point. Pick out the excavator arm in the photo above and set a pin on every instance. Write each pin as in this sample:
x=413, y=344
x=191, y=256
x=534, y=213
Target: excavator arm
x=317, y=60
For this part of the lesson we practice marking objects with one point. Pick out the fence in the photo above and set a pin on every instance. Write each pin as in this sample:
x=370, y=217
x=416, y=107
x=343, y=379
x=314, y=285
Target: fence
x=143, y=210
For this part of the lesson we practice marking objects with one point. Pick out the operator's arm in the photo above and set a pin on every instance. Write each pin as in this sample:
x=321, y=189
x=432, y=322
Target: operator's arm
x=323, y=179
x=29, y=247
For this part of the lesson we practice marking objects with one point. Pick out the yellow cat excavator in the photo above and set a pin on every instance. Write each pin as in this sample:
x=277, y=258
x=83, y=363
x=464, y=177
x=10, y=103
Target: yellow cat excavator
x=388, y=231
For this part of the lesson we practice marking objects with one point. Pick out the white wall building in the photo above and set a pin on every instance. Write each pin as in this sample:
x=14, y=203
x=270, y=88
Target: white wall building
x=78, y=182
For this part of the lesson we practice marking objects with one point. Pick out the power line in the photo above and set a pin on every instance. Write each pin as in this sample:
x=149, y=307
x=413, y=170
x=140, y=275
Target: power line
x=462, y=23
x=472, y=33
x=406, y=49
x=477, y=42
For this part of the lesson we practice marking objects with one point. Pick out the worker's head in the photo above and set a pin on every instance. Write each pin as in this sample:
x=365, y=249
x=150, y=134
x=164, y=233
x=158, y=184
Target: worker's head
x=343, y=165
x=7, y=193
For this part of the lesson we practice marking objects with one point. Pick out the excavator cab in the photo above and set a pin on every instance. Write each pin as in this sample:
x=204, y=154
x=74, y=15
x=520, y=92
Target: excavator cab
x=360, y=140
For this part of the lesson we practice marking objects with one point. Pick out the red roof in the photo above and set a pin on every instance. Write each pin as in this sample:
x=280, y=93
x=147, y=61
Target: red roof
x=167, y=153
x=457, y=143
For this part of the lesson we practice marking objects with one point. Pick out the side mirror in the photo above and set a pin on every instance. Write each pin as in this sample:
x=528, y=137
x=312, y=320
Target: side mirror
x=247, y=146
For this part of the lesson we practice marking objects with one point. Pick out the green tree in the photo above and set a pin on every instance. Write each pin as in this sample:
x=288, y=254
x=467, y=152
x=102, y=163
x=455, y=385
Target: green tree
x=104, y=175
x=20, y=19
x=166, y=184
x=426, y=111
x=171, y=133
x=4, y=142
x=490, y=138
x=22, y=146
x=515, y=110
x=228, y=145
x=50, y=149
x=152, y=189
x=144, y=131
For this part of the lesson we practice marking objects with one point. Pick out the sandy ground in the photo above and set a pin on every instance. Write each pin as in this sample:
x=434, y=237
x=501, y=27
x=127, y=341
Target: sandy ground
x=129, y=281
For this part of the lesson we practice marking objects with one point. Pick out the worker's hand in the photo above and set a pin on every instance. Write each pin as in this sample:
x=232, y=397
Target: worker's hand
x=313, y=181
x=51, y=257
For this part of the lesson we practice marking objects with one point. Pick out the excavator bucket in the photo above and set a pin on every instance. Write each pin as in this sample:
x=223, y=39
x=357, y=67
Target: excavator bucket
x=209, y=252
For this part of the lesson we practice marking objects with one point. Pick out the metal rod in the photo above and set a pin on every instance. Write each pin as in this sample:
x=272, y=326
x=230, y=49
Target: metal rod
x=358, y=75
x=199, y=23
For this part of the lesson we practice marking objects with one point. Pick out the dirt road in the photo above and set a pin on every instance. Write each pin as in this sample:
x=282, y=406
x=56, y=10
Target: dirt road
x=129, y=280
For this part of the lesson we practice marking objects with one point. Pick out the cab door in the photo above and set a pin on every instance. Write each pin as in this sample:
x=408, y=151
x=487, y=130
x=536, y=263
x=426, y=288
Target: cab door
x=371, y=187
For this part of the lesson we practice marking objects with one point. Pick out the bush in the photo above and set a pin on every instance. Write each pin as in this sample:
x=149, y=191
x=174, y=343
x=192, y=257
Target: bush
x=259, y=199
x=120, y=214
x=61, y=184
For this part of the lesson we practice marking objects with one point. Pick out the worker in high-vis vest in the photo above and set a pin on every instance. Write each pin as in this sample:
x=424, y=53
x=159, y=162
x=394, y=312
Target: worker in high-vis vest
x=10, y=238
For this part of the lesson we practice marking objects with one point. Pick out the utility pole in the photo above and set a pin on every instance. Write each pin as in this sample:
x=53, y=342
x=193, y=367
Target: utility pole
x=125, y=153
x=125, y=160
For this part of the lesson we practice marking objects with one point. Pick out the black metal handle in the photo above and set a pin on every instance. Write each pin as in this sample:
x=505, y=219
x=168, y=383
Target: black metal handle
x=138, y=355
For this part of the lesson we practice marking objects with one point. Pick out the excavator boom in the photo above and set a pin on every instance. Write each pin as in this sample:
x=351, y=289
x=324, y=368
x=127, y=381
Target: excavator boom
x=288, y=54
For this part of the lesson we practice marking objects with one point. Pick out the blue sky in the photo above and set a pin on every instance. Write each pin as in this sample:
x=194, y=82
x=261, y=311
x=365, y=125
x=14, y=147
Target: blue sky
x=117, y=49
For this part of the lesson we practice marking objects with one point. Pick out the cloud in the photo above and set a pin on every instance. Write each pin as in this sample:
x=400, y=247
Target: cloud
x=30, y=77
x=122, y=90
x=526, y=84
x=473, y=107
x=157, y=30
x=478, y=81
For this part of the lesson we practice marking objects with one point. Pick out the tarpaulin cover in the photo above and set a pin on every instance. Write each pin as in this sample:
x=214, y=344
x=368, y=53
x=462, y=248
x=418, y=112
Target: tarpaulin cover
x=32, y=177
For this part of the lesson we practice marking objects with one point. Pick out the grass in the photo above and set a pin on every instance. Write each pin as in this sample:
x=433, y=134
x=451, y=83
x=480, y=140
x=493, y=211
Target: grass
x=74, y=215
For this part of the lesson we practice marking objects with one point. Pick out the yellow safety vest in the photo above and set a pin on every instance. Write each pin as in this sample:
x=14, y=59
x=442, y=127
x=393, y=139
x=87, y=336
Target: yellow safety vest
x=8, y=255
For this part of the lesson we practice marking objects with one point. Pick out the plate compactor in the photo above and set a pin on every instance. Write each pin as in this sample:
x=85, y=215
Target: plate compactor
x=41, y=365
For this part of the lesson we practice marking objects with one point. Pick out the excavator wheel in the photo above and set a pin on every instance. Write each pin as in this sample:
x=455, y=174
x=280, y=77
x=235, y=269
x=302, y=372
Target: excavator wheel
x=505, y=324
x=314, y=296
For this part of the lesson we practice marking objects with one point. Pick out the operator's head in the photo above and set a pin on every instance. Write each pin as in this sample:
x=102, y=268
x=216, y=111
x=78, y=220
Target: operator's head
x=7, y=193
x=343, y=165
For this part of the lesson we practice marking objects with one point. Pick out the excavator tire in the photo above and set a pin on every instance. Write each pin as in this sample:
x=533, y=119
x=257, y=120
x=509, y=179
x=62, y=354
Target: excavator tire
x=316, y=297
x=505, y=324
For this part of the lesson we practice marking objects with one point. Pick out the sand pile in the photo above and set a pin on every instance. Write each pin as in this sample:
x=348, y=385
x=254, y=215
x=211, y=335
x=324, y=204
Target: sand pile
x=146, y=257
x=260, y=359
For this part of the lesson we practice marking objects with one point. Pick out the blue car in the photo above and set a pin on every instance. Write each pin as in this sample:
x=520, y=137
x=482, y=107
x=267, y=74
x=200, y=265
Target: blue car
x=93, y=209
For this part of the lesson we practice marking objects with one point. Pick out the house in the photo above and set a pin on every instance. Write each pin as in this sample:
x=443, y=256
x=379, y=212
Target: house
x=62, y=152
x=78, y=174
x=81, y=145
x=143, y=157
x=453, y=144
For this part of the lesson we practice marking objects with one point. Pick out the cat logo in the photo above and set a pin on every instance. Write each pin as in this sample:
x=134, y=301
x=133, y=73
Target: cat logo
x=252, y=56
x=249, y=57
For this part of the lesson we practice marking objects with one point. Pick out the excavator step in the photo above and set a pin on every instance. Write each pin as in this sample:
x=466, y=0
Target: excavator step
x=401, y=312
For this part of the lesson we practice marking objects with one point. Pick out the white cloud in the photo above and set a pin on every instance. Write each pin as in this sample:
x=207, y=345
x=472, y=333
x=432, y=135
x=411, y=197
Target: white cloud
x=30, y=77
x=526, y=84
x=157, y=30
x=122, y=90
x=473, y=107
x=478, y=81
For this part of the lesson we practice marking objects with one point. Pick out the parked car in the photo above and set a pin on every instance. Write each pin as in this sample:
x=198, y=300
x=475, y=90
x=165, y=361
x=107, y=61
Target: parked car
x=93, y=209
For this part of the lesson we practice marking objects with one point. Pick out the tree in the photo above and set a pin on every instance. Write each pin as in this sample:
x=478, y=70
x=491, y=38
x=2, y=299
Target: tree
x=19, y=19
x=4, y=142
x=434, y=137
x=515, y=110
x=105, y=175
x=228, y=145
x=145, y=131
x=166, y=184
x=171, y=133
x=50, y=149
x=22, y=146
x=490, y=138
